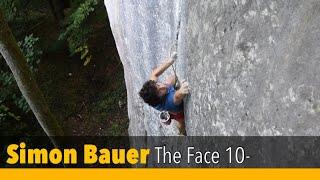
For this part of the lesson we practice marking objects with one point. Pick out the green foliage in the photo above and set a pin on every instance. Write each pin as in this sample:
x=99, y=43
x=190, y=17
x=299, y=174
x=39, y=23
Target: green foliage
x=9, y=8
x=14, y=9
x=20, y=17
x=84, y=51
x=111, y=104
x=77, y=30
x=6, y=114
x=105, y=105
x=31, y=50
x=11, y=124
x=110, y=100
x=117, y=129
x=9, y=91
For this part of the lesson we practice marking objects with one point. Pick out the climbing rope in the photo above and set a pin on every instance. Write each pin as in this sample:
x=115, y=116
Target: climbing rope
x=174, y=48
x=177, y=83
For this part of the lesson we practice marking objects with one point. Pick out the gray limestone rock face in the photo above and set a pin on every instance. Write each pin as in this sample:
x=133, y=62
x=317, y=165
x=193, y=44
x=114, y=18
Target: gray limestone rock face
x=253, y=66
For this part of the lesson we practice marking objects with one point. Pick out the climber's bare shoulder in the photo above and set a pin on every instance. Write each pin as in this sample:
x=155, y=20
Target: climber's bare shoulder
x=171, y=80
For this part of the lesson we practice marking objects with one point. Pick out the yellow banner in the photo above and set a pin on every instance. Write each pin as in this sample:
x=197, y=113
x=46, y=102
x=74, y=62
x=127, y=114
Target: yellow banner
x=163, y=174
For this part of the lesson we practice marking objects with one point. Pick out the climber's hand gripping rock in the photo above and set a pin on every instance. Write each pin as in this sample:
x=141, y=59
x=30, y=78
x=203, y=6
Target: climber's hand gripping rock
x=184, y=89
x=174, y=56
x=182, y=92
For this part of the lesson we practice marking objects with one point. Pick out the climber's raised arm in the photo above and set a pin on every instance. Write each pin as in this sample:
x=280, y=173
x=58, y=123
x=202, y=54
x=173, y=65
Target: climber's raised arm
x=171, y=80
x=160, y=69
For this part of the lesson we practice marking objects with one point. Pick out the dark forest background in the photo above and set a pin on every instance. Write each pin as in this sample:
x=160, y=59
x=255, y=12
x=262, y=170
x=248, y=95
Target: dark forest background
x=72, y=55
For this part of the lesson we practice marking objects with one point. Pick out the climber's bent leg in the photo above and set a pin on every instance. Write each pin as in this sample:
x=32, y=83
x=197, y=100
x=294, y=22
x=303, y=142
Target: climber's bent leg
x=179, y=117
x=182, y=128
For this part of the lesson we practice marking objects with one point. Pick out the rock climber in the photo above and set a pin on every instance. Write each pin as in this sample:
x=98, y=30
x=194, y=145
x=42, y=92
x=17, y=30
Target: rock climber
x=164, y=96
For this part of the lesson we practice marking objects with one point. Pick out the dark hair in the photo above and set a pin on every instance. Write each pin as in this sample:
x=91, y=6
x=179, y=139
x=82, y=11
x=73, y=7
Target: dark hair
x=149, y=93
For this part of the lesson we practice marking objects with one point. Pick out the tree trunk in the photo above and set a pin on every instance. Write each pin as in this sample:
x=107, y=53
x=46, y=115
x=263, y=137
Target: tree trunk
x=27, y=85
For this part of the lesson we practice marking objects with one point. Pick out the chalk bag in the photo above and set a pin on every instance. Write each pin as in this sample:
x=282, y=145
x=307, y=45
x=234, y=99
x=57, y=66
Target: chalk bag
x=165, y=117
